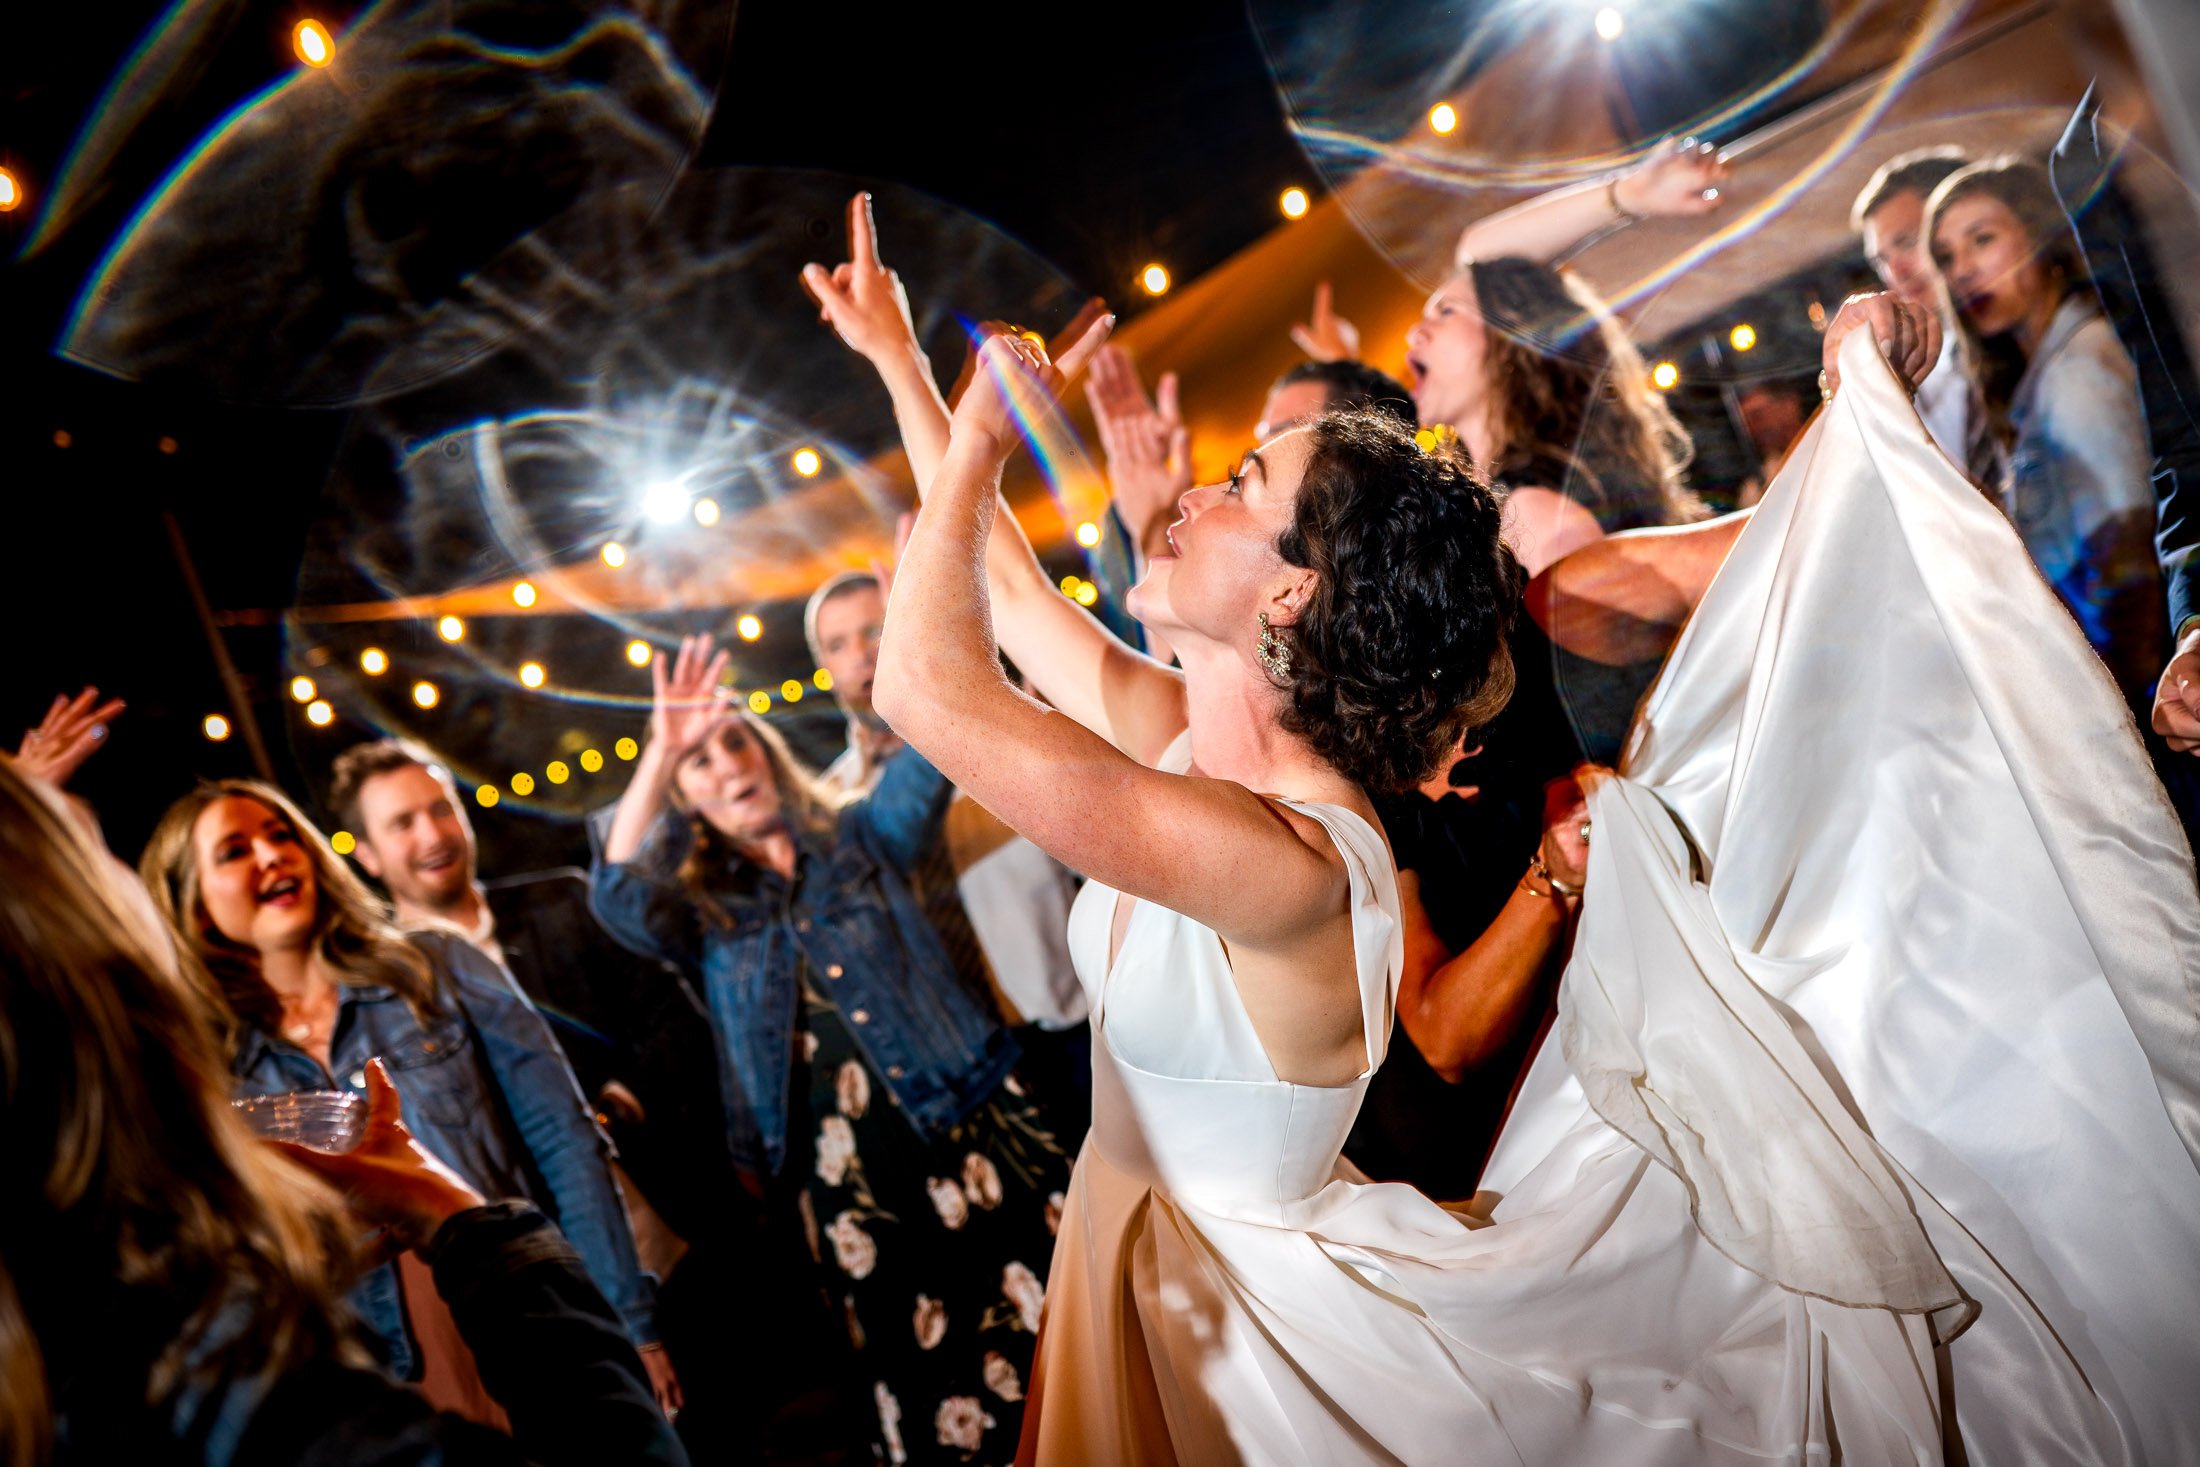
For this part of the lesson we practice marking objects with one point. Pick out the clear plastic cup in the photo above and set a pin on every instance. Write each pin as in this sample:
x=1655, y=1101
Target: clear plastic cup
x=324, y=1120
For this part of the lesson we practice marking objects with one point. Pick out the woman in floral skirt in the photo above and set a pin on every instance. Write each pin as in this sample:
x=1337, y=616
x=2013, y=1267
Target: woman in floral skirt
x=866, y=1087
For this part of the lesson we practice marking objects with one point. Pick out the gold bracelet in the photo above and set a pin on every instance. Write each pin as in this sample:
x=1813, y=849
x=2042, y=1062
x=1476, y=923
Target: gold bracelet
x=1559, y=890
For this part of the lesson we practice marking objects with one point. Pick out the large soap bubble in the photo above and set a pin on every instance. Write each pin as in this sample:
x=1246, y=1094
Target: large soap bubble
x=294, y=249
x=653, y=434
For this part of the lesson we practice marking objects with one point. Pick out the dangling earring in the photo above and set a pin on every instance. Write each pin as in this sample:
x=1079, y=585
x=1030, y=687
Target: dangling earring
x=1272, y=653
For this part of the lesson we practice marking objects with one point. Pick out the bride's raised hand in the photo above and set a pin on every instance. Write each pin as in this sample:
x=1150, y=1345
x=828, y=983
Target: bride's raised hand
x=687, y=701
x=1015, y=377
x=860, y=298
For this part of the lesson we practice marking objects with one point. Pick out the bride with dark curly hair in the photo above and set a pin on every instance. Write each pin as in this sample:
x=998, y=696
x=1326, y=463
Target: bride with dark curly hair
x=1734, y=1229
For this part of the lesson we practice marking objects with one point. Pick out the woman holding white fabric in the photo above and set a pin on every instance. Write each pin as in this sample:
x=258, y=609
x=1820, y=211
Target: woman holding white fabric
x=1222, y=1292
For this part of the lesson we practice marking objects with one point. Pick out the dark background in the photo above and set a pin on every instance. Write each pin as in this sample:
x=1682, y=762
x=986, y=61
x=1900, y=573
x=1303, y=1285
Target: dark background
x=1100, y=138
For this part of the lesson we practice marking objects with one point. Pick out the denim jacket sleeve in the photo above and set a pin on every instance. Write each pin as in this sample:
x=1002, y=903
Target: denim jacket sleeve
x=646, y=914
x=569, y=1150
x=903, y=814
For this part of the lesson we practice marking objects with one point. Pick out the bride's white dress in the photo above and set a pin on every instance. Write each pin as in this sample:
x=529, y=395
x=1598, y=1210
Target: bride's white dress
x=1880, y=1034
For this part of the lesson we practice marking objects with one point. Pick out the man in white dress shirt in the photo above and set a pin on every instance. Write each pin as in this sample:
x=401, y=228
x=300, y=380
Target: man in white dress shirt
x=1016, y=896
x=1889, y=218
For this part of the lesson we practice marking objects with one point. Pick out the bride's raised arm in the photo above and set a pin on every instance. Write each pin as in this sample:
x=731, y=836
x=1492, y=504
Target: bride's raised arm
x=1077, y=664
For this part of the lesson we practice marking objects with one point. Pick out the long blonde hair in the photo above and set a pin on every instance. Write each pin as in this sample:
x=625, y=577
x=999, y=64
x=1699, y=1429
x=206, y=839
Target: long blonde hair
x=351, y=935
x=809, y=805
x=125, y=1166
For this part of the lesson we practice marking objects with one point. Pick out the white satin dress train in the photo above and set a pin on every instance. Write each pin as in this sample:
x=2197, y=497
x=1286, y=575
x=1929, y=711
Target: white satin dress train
x=1871, y=1125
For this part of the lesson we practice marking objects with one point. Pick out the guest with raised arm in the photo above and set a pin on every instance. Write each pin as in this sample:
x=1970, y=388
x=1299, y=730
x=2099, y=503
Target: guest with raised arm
x=169, y=1283
x=2059, y=401
x=872, y=1094
x=317, y=981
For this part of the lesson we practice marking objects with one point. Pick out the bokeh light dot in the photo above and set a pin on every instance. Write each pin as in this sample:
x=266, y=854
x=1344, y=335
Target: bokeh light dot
x=310, y=39
x=301, y=688
x=556, y=772
x=523, y=783
x=62, y=438
x=1742, y=337
x=823, y=679
x=1070, y=585
x=531, y=674
x=319, y=713
x=1088, y=594
x=614, y=554
x=807, y=463
x=591, y=760
x=638, y=653
x=1154, y=280
x=426, y=694
x=706, y=512
x=342, y=843
x=1664, y=375
x=11, y=193
x=1293, y=203
x=451, y=628
x=791, y=691
x=1610, y=23
x=523, y=593
x=374, y=662
x=626, y=748
x=1088, y=534
x=749, y=627
x=760, y=701
x=1443, y=119
x=215, y=727
x=486, y=797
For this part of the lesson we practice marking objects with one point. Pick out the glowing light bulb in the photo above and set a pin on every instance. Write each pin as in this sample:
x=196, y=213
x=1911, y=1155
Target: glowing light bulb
x=591, y=760
x=1443, y=119
x=1070, y=584
x=791, y=690
x=374, y=662
x=823, y=679
x=1743, y=337
x=1154, y=279
x=706, y=512
x=310, y=39
x=614, y=554
x=11, y=192
x=342, y=843
x=426, y=694
x=301, y=688
x=1664, y=375
x=523, y=593
x=1609, y=24
x=807, y=462
x=319, y=713
x=664, y=502
x=638, y=653
x=1293, y=203
x=523, y=783
x=450, y=628
x=556, y=772
x=749, y=627
x=760, y=701
x=215, y=727
x=486, y=797
x=531, y=674
x=626, y=748
x=1088, y=534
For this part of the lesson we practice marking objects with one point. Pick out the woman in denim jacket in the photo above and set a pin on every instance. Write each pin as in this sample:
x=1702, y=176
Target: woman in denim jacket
x=315, y=982
x=870, y=1092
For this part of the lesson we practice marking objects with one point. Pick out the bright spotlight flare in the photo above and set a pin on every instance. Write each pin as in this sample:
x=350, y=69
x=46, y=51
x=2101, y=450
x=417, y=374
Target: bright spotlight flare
x=310, y=39
x=664, y=502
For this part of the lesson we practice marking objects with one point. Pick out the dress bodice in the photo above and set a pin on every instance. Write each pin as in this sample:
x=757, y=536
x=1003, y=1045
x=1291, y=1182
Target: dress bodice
x=1184, y=1096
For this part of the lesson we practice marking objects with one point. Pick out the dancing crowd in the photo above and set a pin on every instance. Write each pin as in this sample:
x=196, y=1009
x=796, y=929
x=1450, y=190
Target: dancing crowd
x=766, y=1138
